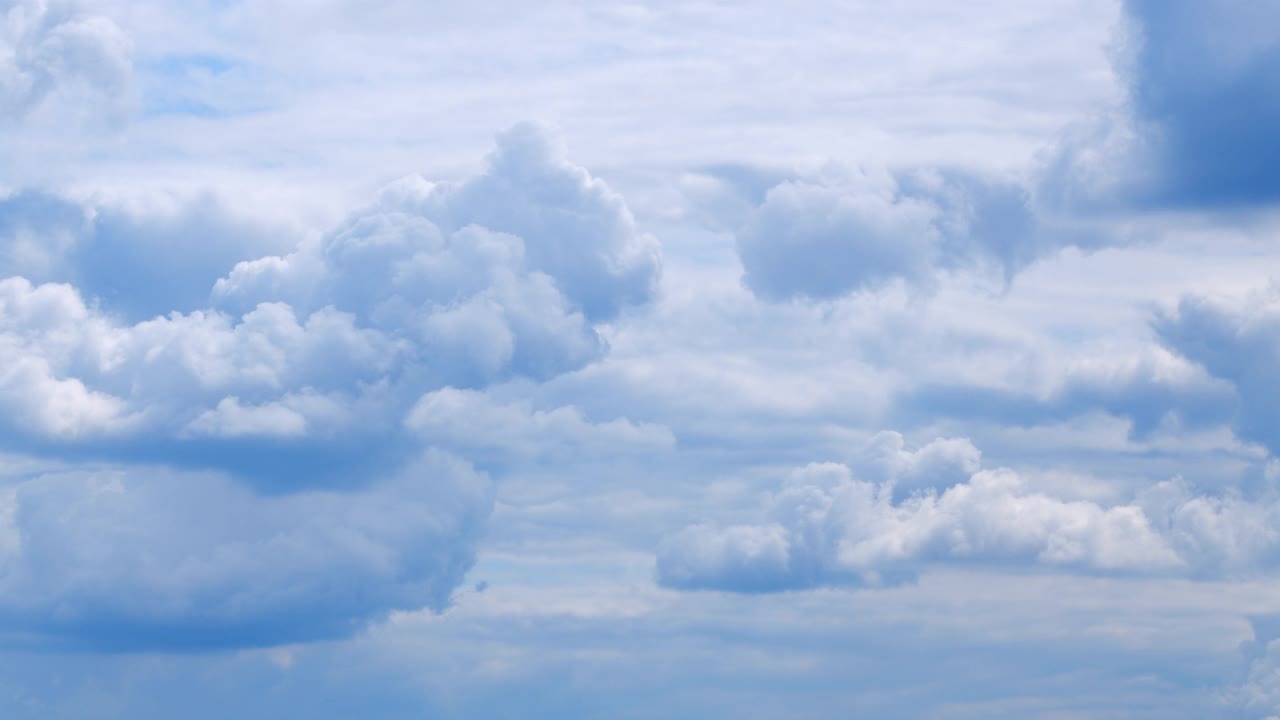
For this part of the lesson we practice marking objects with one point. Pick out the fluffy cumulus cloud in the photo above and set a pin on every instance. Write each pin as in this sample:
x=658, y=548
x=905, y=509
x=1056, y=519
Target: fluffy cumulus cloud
x=505, y=273
x=828, y=526
x=294, y=411
x=309, y=360
x=1237, y=341
x=532, y=229
x=1197, y=130
x=936, y=466
x=49, y=46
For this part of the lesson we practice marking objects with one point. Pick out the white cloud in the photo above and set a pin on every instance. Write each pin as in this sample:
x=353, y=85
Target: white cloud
x=529, y=218
x=1217, y=535
x=318, y=513
x=937, y=465
x=43, y=405
x=501, y=314
x=231, y=419
x=334, y=343
x=821, y=241
x=47, y=46
x=828, y=527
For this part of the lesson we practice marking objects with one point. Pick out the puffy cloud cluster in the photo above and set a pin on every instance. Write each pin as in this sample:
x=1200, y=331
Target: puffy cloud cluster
x=828, y=526
x=49, y=45
x=1200, y=118
x=119, y=559
x=936, y=466
x=532, y=227
x=505, y=273
x=317, y=356
x=271, y=395
x=1239, y=343
x=266, y=478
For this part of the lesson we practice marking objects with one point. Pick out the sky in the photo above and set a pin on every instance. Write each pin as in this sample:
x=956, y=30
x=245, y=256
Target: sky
x=670, y=359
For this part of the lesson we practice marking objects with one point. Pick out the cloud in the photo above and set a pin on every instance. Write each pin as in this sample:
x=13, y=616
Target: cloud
x=512, y=266
x=1224, y=535
x=148, y=559
x=54, y=407
x=134, y=262
x=1152, y=389
x=1259, y=694
x=309, y=362
x=255, y=470
x=938, y=465
x=231, y=419
x=531, y=214
x=1197, y=129
x=1174, y=144
x=826, y=237
x=1237, y=342
x=48, y=46
x=819, y=241
x=828, y=527
x=116, y=390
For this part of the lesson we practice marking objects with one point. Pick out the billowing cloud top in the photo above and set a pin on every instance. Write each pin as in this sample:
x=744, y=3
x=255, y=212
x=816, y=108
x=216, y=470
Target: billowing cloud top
x=321, y=352
x=302, y=381
x=828, y=527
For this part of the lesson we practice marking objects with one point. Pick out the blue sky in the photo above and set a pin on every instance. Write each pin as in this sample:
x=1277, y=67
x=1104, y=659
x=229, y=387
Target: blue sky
x=653, y=360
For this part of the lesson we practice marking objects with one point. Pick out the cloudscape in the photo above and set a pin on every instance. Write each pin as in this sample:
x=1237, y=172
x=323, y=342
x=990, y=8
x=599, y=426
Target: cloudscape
x=668, y=359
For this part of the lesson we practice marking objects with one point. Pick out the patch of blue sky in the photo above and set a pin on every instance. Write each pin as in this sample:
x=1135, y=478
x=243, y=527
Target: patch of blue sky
x=178, y=66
